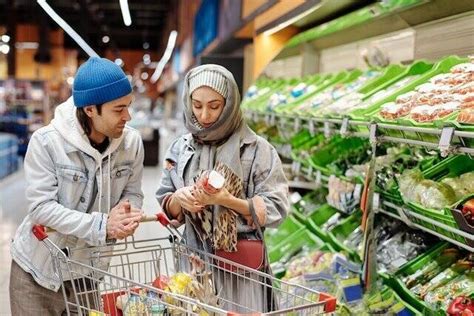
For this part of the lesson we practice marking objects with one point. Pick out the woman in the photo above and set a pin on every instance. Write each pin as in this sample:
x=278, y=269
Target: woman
x=219, y=139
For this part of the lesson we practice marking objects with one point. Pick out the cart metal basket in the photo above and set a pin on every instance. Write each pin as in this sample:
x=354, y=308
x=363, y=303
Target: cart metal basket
x=163, y=276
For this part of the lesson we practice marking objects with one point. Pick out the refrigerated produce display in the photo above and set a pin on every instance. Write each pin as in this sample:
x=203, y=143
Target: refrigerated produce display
x=336, y=130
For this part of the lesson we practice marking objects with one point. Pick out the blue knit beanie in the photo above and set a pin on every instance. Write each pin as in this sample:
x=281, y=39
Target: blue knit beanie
x=98, y=81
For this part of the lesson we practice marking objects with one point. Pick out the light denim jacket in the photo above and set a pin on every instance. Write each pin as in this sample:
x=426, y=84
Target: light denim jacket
x=263, y=176
x=61, y=168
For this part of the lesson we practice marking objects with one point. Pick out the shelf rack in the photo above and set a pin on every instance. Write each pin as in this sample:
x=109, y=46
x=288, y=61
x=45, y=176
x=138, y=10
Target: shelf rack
x=448, y=141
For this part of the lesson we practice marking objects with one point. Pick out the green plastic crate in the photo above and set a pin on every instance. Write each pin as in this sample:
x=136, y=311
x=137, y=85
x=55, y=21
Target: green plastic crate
x=289, y=226
x=328, y=81
x=293, y=244
x=443, y=66
x=411, y=267
x=316, y=219
x=452, y=166
x=344, y=229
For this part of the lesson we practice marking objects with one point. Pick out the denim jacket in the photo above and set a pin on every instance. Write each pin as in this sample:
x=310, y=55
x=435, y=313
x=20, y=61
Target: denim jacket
x=62, y=170
x=263, y=176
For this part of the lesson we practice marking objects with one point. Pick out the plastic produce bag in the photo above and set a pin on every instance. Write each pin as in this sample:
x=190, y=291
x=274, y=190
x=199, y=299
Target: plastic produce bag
x=434, y=195
x=408, y=182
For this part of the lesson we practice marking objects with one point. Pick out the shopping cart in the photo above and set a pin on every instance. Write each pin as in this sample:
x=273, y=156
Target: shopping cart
x=163, y=276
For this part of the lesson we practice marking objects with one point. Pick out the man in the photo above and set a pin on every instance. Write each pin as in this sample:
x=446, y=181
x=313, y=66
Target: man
x=83, y=173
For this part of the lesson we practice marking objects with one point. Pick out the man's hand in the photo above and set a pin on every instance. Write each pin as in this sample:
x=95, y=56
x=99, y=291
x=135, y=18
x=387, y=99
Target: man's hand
x=186, y=199
x=123, y=220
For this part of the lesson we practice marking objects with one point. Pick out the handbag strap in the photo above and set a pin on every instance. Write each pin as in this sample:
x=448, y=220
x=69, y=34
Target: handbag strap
x=255, y=219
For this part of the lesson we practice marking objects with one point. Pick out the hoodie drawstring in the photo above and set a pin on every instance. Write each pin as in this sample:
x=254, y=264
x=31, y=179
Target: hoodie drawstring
x=100, y=187
x=108, y=185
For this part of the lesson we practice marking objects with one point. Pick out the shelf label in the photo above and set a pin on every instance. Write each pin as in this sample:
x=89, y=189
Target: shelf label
x=376, y=201
x=311, y=128
x=344, y=126
x=318, y=177
x=309, y=172
x=295, y=197
x=267, y=119
x=297, y=124
x=445, y=141
x=373, y=133
x=357, y=192
x=327, y=130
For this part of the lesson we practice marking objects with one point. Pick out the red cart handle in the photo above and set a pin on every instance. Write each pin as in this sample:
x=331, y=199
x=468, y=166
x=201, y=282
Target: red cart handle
x=39, y=232
x=162, y=218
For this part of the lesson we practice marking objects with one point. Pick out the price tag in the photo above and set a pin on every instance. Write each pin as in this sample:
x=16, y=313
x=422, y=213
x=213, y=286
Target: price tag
x=318, y=177
x=376, y=201
x=272, y=119
x=445, y=141
x=295, y=197
x=344, y=126
x=282, y=122
x=327, y=130
x=309, y=172
x=297, y=124
x=286, y=150
x=298, y=168
x=357, y=192
x=267, y=119
x=311, y=128
x=293, y=167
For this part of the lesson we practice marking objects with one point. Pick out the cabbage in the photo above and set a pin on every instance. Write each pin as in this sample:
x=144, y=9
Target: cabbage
x=407, y=184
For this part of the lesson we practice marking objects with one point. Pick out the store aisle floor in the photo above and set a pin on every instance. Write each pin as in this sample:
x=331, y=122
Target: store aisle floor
x=13, y=209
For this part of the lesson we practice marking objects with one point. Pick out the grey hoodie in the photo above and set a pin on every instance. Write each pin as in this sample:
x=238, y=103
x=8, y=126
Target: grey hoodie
x=61, y=169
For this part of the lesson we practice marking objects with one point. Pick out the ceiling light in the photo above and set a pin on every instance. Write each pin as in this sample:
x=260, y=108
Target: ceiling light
x=119, y=62
x=166, y=56
x=5, y=38
x=146, y=59
x=292, y=20
x=26, y=45
x=144, y=75
x=127, y=19
x=105, y=39
x=4, y=48
x=46, y=7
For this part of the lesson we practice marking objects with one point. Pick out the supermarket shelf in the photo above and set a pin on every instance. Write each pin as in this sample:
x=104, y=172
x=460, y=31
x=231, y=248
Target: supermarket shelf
x=401, y=211
x=447, y=140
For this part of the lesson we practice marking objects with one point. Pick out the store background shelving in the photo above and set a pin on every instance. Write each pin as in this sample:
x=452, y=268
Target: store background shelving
x=273, y=107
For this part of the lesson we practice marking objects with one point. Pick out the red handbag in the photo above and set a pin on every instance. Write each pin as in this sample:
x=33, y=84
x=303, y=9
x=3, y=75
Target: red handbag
x=250, y=253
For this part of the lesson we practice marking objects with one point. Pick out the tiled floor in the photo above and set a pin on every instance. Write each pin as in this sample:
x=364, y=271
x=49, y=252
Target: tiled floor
x=13, y=209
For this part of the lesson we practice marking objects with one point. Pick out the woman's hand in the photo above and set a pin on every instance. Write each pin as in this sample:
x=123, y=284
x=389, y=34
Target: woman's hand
x=221, y=197
x=184, y=196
